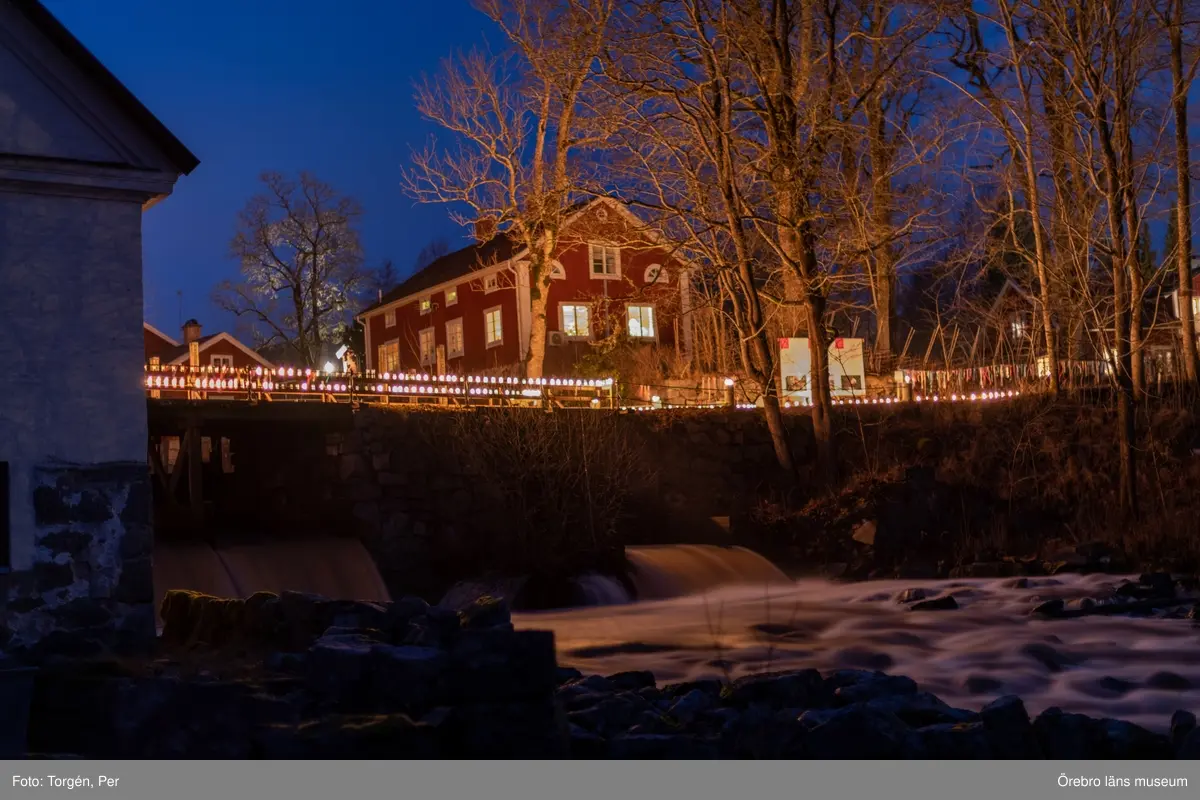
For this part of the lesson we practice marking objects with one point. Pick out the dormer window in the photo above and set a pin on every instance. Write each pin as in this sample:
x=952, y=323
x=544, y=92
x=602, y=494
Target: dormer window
x=605, y=261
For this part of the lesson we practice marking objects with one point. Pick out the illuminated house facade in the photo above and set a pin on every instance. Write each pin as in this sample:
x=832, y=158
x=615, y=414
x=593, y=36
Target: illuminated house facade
x=217, y=350
x=470, y=311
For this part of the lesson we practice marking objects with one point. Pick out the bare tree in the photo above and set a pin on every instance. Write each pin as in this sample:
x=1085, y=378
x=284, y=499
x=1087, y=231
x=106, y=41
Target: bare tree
x=517, y=123
x=678, y=80
x=301, y=264
x=1171, y=15
x=384, y=279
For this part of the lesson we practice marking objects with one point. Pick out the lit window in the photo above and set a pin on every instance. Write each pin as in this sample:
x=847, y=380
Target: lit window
x=1018, y=327
x=389, y=356
x=222, y=361
x=389, y=319
x=427, y=345
x=454, y=338
x=605, y=261
x=426, y=305
x=641, y=322
x=576, y=321
x=491, y=283
x=452, y=295
x=493, y=327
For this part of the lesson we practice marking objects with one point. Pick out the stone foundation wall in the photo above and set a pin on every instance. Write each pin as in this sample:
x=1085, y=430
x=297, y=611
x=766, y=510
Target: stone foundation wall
x=90, y=582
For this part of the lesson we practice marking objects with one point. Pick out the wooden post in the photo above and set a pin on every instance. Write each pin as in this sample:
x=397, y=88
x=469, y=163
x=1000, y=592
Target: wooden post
x=195, y=468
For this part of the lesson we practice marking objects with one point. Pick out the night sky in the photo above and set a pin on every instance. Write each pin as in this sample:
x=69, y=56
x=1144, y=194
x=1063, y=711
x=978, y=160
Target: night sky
x=288, y=85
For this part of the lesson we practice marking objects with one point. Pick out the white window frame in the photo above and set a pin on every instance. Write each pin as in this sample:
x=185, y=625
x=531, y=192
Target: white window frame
x=389, y=318
x=559, y=273
x=383, y=367
x=455, y=324
x=499, y=310
x=656, y=274
x=653, y=321
x=598, y=276
x=491, y=283
x=562, y=320
x=425, y=305
x=431, y=356
x=452, y=296
x=221, y=361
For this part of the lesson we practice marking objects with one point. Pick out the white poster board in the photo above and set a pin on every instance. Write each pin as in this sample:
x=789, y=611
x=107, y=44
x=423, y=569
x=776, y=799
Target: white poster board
x=847, y=368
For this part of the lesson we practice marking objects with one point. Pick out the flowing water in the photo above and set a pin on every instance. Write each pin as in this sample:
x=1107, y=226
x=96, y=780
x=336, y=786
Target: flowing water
x=701, y=611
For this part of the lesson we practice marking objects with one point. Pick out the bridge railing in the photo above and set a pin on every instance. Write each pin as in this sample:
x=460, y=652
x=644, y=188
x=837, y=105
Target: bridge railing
x=292, y=385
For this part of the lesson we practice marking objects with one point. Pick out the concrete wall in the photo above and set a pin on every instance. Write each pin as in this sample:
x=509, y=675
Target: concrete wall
x=72, y=413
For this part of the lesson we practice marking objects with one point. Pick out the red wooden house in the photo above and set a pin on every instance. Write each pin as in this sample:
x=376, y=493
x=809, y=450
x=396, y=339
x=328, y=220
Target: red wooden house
x=214, y=350
x=471, y=310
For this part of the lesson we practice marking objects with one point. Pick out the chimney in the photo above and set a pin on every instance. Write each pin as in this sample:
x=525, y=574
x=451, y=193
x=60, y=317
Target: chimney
x=191, y=331
x=485, y=229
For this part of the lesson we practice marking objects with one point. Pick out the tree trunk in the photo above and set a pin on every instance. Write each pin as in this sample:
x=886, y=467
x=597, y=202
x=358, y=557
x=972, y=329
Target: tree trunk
x=535, y=360
x=1127, y=473
x=1183, y=199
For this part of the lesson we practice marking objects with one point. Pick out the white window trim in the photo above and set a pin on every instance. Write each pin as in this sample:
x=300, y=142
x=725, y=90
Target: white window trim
x=653, y=321
x=663, y=277
x=591, y=261
x=457, y=322
x=214, y=359
x=562, y=325
x=486, y=313
x=379, y=355
x=427, y=359
x=389, y=318
x=558, y=272
x=491, y=283
x=450, y=302
x=425, y=305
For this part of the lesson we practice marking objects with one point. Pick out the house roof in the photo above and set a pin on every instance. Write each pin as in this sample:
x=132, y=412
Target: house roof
x=496, y=250
x=452, y=265
x=179, y=354
x=173, y=342
x=117, y=93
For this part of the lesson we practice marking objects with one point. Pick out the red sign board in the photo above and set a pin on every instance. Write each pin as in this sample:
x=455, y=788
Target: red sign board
x=839, y=344
x=783, y=344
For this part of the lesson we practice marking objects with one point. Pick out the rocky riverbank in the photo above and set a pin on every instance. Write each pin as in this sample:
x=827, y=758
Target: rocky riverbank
x=297, y=676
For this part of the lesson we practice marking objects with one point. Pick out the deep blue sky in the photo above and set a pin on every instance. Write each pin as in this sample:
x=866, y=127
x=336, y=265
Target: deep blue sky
x=288, y=85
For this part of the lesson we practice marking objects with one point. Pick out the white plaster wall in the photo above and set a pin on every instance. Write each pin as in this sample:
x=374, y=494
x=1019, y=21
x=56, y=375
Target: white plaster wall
x=71, y=348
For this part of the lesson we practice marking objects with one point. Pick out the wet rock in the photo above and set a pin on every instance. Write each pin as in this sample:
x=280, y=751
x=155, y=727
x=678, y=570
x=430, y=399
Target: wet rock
x=529, y=729
x=608, y=716
x=944, y=603
x=1009, y=730
x=1189, y=748
x=1182, y=723
x=1168, y=681
x=1050, y=608
x=857, y=686
x=485, y=612
x=393, y=736
x=1126, y=741
x=566, y=675
x=803, y=688
x=921, y=709
x=629, y=681
x=759, y=734
x=1075, y=736
x=686, y=708
x=499, y=664
x=858, y=732
x=1050, y=658
x=911, y=595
